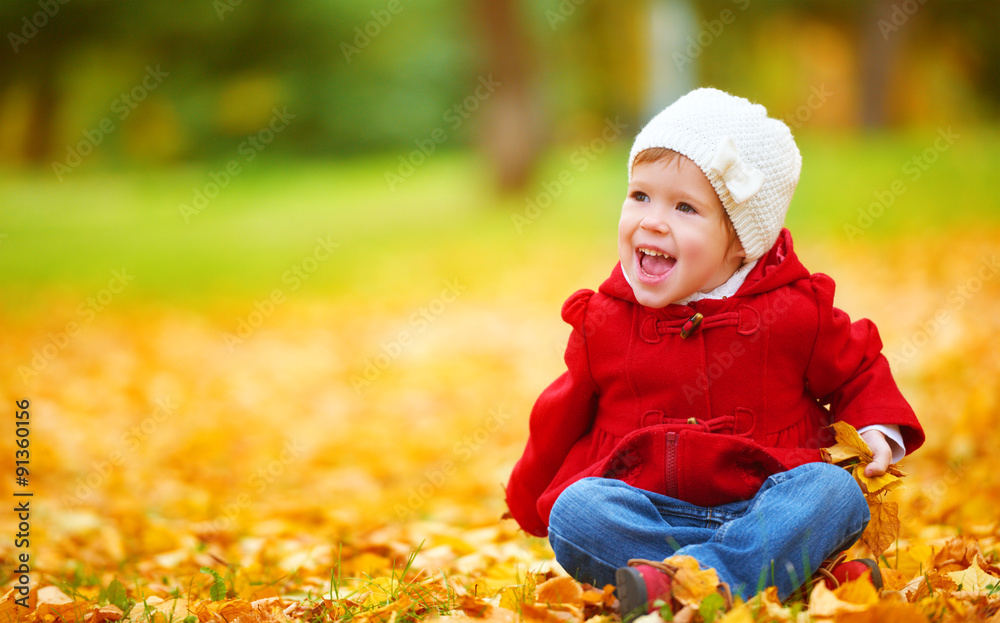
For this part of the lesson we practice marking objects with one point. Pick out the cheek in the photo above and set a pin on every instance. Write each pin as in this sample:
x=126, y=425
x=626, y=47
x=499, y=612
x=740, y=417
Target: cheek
x=625, y=227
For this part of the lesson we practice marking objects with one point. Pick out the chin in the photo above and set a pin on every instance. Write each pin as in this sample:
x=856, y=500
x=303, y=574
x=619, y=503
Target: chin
x=653, y=301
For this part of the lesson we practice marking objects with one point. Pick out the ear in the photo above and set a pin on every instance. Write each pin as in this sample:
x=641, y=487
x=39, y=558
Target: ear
x=736, y=250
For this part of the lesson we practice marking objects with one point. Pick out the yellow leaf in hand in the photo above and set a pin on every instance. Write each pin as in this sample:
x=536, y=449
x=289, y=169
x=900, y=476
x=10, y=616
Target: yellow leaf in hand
x=852, y=443
x=883, y=528
x=973, y=579
x=840, y=453
x=875, y=484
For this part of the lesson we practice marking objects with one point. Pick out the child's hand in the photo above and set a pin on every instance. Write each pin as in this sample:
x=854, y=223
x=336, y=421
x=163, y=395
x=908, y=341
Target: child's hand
x=881, y=451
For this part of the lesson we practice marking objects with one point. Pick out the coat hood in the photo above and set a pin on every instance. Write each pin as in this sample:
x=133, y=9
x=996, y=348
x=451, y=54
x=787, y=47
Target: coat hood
x=778, y=267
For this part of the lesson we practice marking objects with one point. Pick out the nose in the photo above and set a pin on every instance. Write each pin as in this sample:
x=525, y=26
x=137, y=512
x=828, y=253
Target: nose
x=654, y=223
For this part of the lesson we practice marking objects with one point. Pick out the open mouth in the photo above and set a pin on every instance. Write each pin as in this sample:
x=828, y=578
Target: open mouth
x=654, y=264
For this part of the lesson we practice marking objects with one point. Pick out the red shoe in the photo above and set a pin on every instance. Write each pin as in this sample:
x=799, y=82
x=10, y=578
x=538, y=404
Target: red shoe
x=642, y=583
x=839, y=570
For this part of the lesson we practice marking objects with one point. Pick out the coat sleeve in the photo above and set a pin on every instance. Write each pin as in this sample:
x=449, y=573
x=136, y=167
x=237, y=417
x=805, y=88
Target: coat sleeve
x=848, y=371
x=563, y=413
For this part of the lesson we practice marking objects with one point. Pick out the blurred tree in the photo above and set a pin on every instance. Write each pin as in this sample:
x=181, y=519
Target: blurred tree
x=563, y=66
x=878, y=58
x=513, y=135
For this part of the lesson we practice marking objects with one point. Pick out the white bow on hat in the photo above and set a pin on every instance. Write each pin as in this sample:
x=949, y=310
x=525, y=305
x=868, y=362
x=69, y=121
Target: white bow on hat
x=742, y=180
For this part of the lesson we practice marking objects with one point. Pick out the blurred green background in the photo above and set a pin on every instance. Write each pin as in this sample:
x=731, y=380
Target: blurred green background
x=205, y=146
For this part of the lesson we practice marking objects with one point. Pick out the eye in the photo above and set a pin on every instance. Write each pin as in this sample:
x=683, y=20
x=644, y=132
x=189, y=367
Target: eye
x=683, y=207
x=638, y=195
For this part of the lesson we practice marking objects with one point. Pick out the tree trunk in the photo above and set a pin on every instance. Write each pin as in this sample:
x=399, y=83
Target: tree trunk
x=511, y=137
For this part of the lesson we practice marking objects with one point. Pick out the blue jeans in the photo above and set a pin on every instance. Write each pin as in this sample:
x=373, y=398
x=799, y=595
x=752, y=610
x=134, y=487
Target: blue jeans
x=779, y=537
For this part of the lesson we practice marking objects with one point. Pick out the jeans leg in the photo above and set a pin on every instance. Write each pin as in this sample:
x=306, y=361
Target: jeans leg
x=598, y=524
x=796, y=520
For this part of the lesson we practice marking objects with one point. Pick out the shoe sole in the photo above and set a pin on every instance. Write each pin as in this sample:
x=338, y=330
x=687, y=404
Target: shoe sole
x=632, y=599
x=876, y=576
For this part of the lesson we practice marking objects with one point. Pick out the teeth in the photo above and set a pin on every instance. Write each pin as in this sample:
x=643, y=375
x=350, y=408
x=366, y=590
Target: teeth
x=652, y=252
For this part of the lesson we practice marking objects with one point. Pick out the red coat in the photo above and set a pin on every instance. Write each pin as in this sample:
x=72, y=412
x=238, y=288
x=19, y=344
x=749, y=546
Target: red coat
x=708, y=417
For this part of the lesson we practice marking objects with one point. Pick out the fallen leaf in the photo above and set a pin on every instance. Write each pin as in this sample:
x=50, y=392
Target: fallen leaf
x=824, y=604
x=560, y=590
x=691, y=583
x=884, y=612
x=10, y=611
x=858, y=591
x=893, y=580
x=912, y=561
x=957, y=554
x=930, y=583
x=110, y=612
x=539, y=614
x=739, y=614
x=52, y=595
x=974, y=579
x=767, y=607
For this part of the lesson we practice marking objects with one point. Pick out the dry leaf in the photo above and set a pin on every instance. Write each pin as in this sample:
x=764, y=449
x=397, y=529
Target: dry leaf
x=52, y=595
x=884, y=612
x=10, y=611
x=958, y=554
x=824, y=604
x=560, y=590
x=767, y=607
x=930, y=583
x=739, y=614
x=974, y=579
x=853, y=452
x=912, y=561
x=691, y=583
x=857, y=591
x=849, y=444
x=883, y=529
x=876, y=484
x=110, y=612
x=893, y=580
x=540, y=614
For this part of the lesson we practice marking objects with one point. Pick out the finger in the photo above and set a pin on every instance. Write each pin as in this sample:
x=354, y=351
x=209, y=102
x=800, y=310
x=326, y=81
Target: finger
x=880, y=461
x=876, y=468
x=881, y=454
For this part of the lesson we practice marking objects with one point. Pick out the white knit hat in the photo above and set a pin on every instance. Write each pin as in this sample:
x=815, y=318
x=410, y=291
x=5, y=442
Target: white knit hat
x=750, y=159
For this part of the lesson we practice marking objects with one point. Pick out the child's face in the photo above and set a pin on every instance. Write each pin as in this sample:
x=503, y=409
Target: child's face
x=671, y=209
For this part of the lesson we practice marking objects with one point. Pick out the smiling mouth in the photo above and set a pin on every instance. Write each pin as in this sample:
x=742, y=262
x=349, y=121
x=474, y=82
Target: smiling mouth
x=654, y=264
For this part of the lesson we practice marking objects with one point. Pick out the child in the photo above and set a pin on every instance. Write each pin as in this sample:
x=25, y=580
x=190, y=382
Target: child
x=701, y=376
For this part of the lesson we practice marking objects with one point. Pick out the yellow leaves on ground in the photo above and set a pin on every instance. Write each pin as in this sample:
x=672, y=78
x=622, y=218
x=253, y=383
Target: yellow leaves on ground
x=161, y=451
x=562, y=599
x=858, y=601
x=51, y=604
